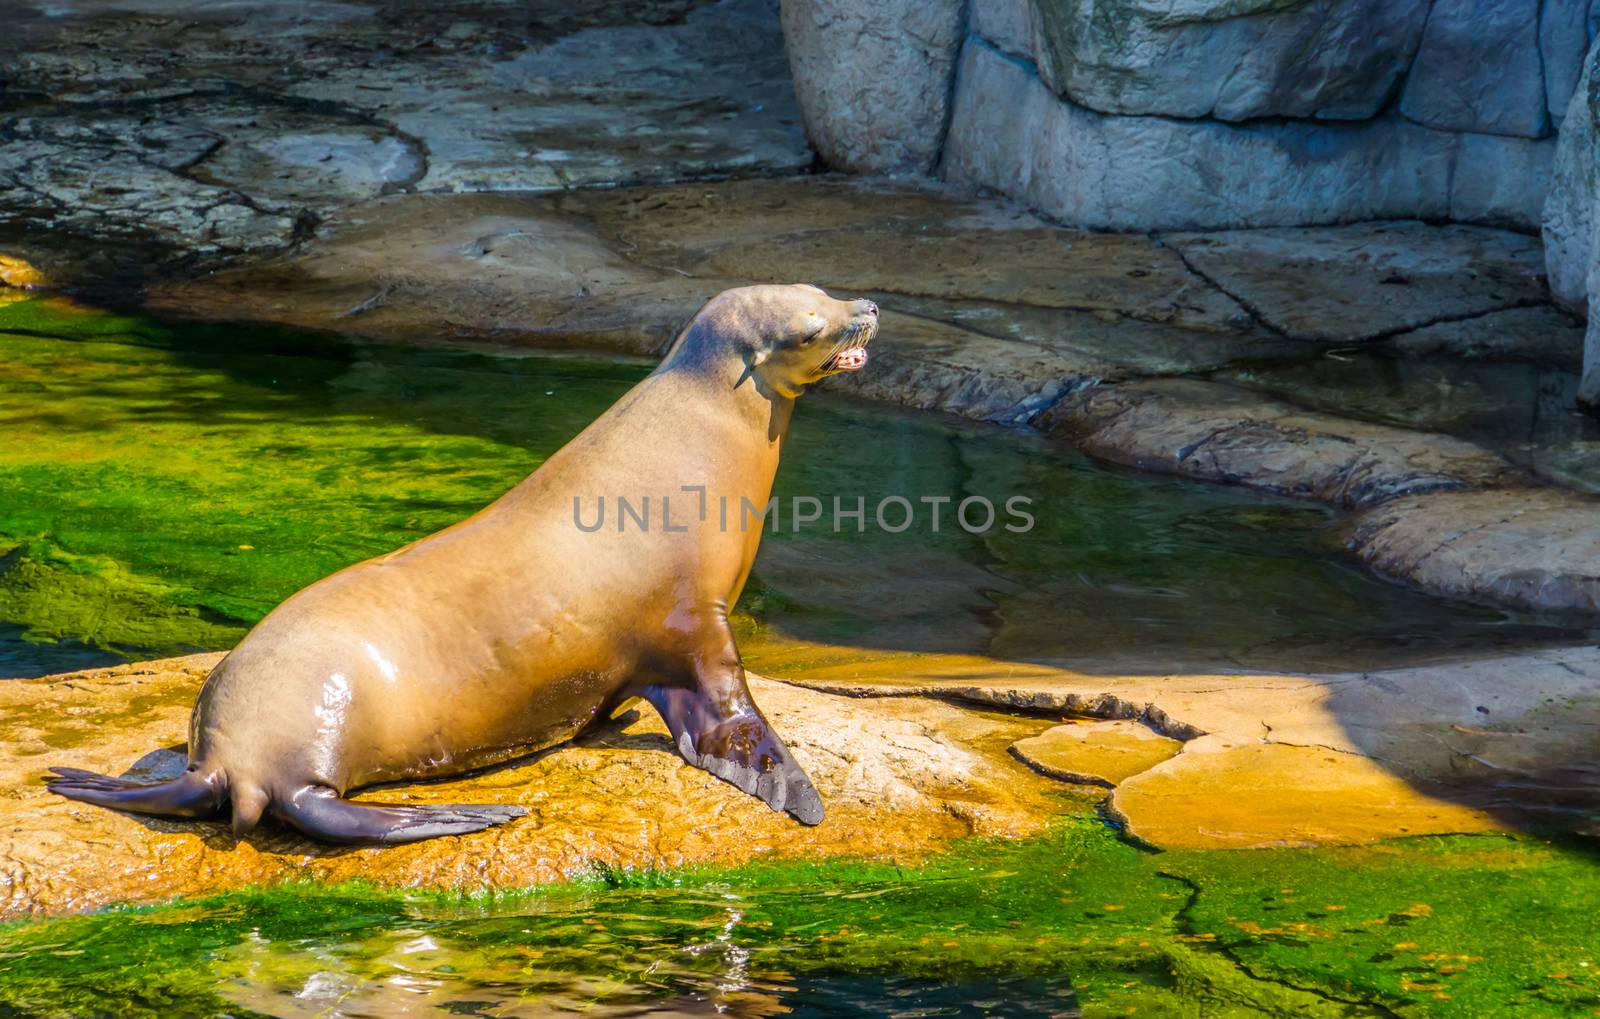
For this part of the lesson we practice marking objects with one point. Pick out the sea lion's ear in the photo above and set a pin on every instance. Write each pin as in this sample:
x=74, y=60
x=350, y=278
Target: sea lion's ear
x=758, y=356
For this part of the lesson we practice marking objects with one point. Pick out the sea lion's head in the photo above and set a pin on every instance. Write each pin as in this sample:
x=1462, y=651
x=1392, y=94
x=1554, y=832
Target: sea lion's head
x=790, y=336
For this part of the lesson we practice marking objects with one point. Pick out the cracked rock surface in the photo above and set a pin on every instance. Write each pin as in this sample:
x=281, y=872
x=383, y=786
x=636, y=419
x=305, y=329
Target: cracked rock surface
x=1326, y=758
x=236, y=129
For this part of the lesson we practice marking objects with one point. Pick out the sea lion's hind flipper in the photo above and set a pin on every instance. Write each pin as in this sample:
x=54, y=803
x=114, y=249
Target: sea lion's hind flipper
x=191, y=794
x=321, y=813
x=740, y=749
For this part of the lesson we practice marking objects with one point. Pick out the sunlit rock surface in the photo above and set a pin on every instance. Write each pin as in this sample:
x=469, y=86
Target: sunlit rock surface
x=1350, y=284
x=1196, y=761
x=1303, y=759
x=900, y=779
x=1099, y=753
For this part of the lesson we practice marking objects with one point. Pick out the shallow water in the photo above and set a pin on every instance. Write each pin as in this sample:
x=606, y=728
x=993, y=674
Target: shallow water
x=162, y=487
x=1072, y=922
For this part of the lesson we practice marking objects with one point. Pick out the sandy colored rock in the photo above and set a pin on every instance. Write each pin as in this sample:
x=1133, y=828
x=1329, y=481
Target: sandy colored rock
x=1214, y=432
x=1351, y=283
x=455, y=267
x=1494, y=743
x=1098, y=753
x=900, y=778
x=1537, y=548
x=1051, y=310
x=1217, y=796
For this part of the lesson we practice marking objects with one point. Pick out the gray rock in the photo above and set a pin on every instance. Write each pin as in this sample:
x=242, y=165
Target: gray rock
x=1231, y=59
x=1573, y=465
x=873, y=79
x=1566, y=28
x=1009, y=132
x=1499, y=179
x=1213, y=432
x=115, y=179
x=1479, y=69
x=1568, y=222
x=1008, y=24
x=1353, y=283
x=607, y=104
x=1540, y=334
x=227, y=128
x=1116, y=337
x=1534, y=548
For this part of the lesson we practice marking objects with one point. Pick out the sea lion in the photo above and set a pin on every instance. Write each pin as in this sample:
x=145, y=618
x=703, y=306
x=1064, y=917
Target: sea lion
x=517, y=627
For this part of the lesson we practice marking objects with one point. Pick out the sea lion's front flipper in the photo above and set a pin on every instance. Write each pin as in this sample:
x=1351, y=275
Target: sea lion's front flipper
x=322, y=814
x=729, y=737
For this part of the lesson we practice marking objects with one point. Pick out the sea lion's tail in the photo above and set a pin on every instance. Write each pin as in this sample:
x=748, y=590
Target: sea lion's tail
x=318, y=811
x=195, y=793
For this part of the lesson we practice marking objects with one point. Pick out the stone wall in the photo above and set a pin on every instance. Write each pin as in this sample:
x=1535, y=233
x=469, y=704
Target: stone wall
x=1569, y=221
x=1218, y=114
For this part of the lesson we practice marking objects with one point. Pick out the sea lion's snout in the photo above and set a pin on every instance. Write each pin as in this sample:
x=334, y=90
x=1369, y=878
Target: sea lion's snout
x=850, y=348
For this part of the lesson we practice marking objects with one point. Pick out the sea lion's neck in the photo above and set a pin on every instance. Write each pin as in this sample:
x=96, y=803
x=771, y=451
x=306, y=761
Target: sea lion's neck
x=728, y=375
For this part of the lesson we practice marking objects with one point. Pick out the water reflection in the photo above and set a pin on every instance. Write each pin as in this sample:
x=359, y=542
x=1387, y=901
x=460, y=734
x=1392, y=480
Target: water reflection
x=601, y=963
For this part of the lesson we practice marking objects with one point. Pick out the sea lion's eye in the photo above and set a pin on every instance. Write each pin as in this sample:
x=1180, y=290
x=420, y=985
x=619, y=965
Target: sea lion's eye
x=822, y=326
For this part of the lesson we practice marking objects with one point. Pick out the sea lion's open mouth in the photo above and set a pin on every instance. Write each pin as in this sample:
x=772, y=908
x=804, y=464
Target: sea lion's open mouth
x=848, y=360
x=850, y=352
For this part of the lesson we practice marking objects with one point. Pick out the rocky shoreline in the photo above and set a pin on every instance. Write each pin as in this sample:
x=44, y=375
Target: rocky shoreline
x=908, y=755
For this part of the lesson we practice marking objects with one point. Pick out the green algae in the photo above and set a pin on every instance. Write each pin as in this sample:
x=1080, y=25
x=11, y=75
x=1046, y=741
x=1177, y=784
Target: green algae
x=164, y=486
x=162, y=499
x=1448, y=926
x=1072, y=922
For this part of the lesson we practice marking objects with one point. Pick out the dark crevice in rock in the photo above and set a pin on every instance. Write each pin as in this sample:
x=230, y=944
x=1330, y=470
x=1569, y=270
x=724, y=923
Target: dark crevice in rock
x=1256, y=314
x=963, y=21
x=1032, y=704
x=1183, y=920
x=1389, y=334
